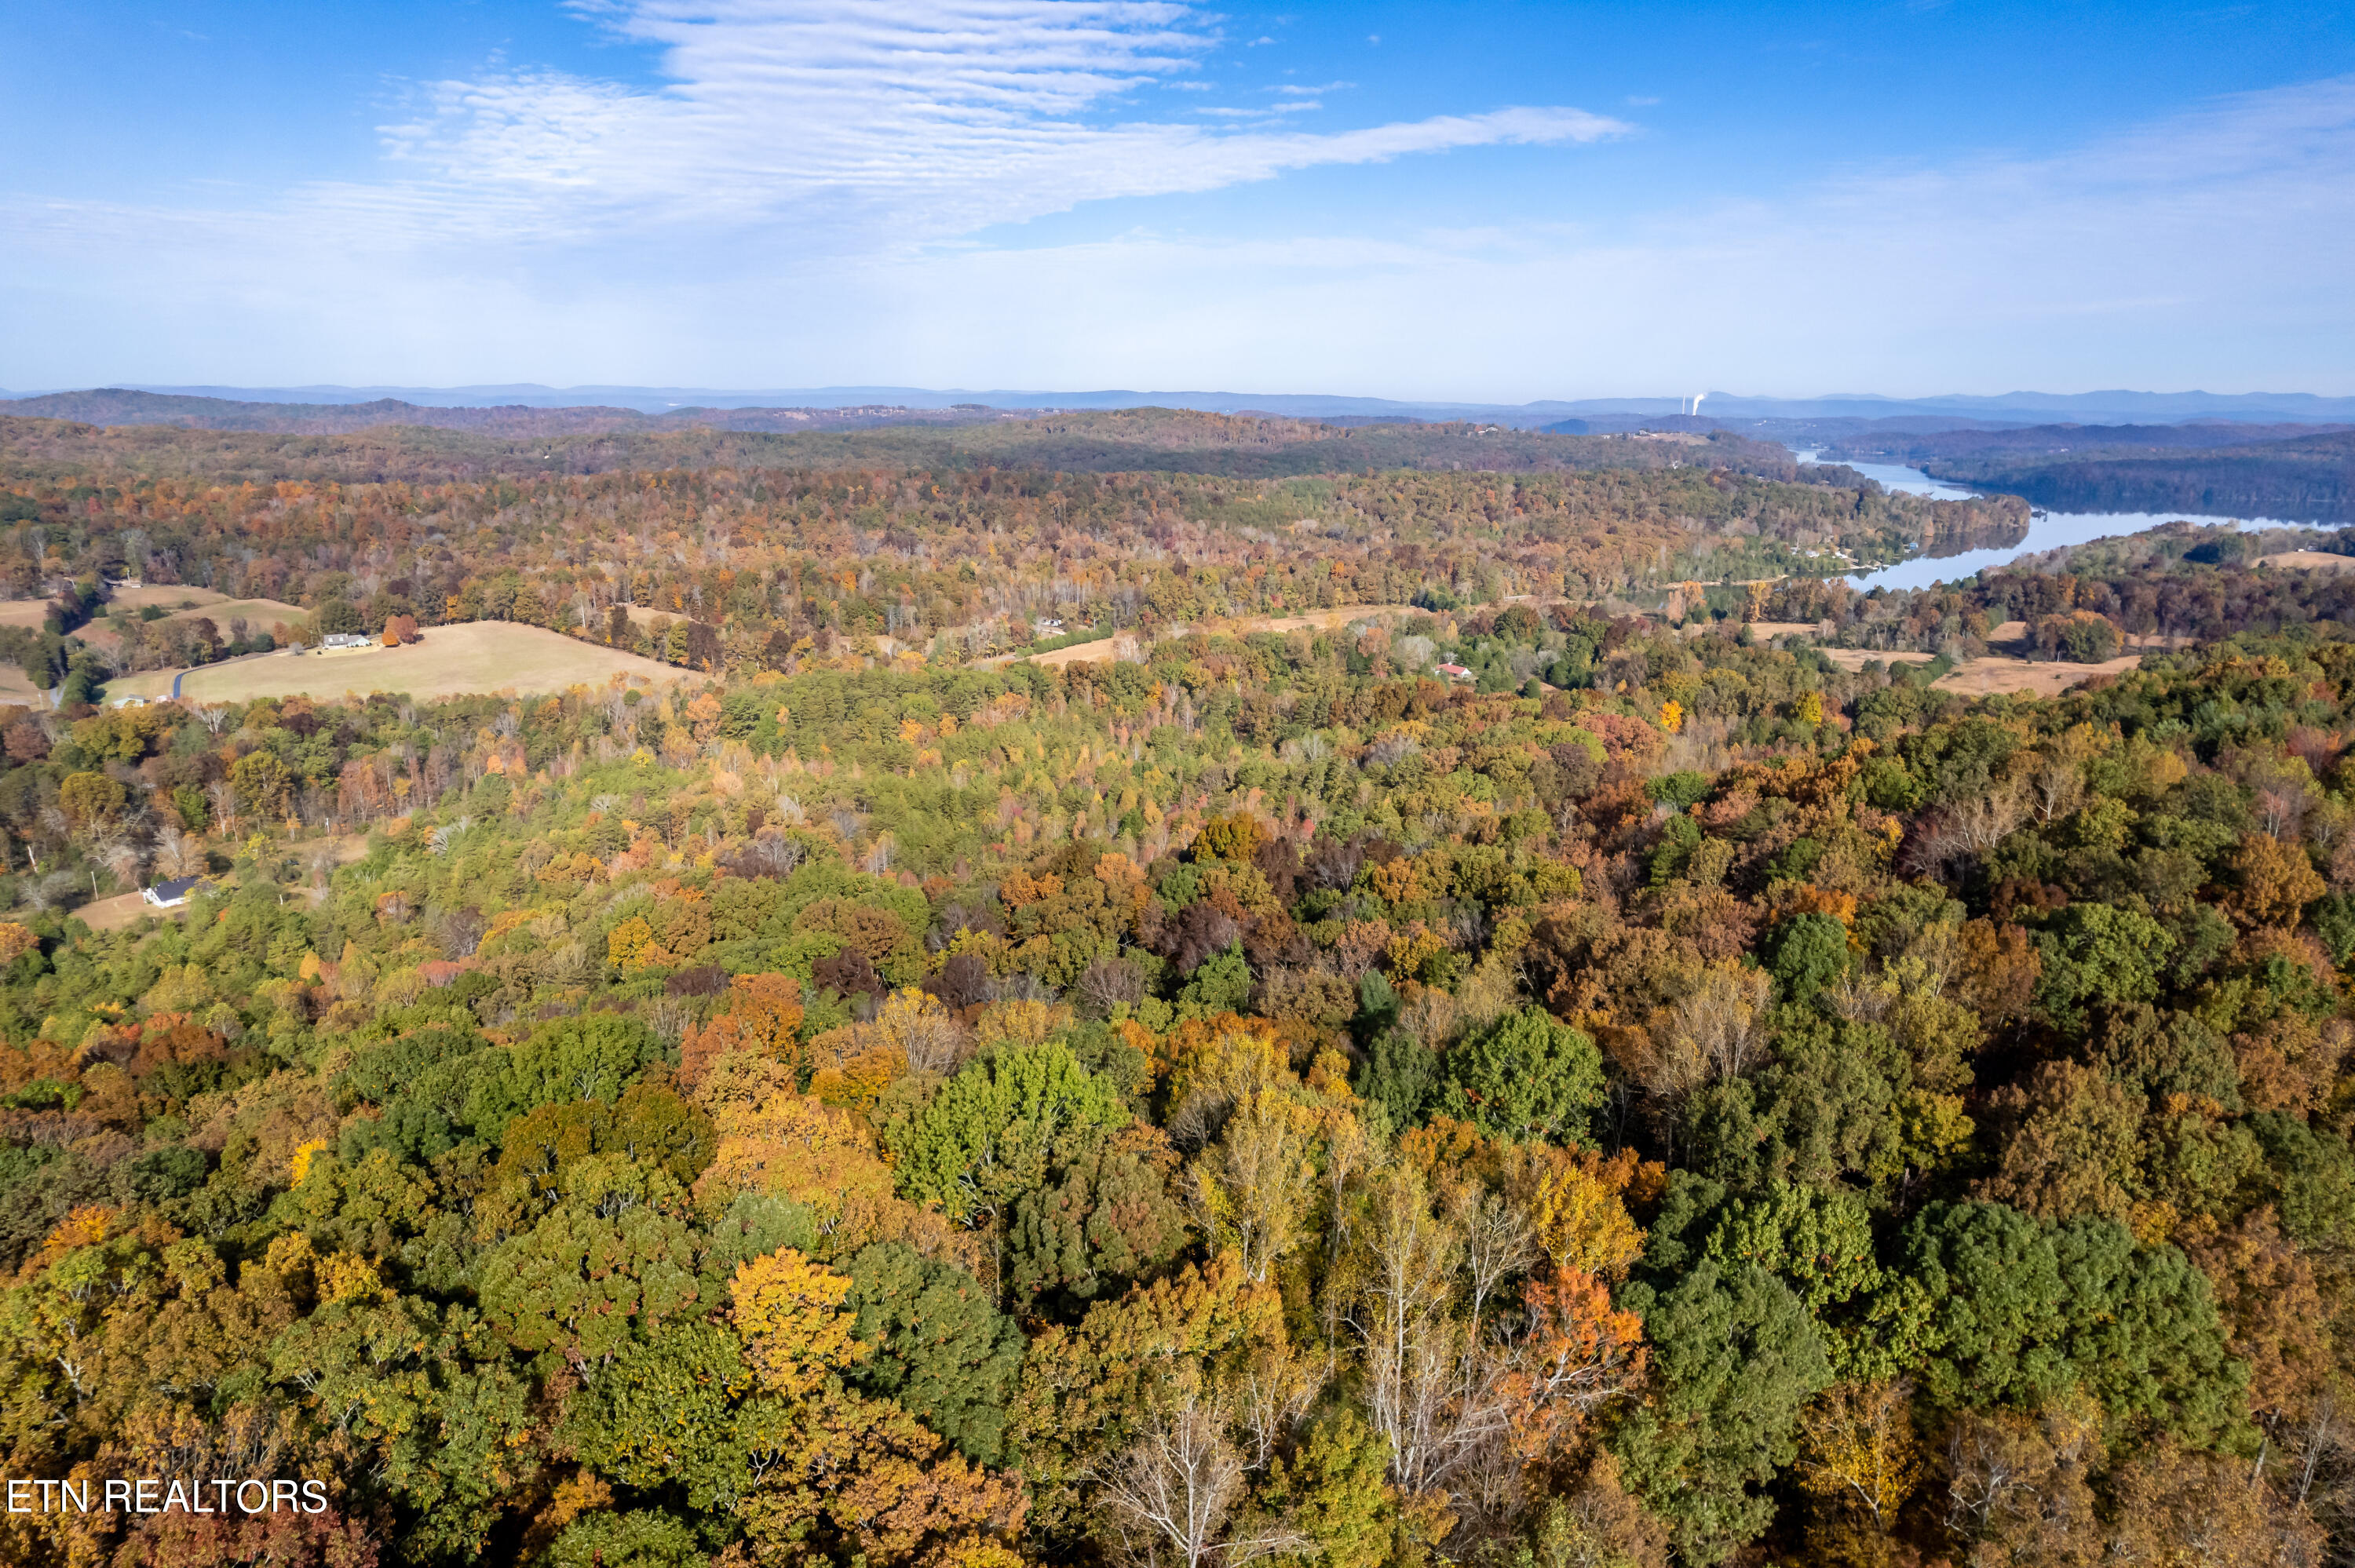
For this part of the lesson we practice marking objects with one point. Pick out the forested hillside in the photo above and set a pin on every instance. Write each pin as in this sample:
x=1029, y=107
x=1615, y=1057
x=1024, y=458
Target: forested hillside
x=2304, y=479
x=1661, y=1098
x=740, y=568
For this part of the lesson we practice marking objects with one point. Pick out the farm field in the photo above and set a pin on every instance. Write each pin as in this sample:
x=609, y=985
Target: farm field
x=1126, y=645
x=2001, y=673
x=165, y=596
x=2308, y=561
x=468, y=659
x=261, y=613
x=16, y=687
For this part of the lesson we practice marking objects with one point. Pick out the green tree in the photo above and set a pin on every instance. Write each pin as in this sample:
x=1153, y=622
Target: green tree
x=1737, y=1357
x=1401, y=1076
x=2022, y=1310
x=582, y=1286
x=994, y=1130
x=641, y=1538
x=2098, y=955
x=1105, y=1222
x=664, y=1415
x=942, y=1349
x=1807, y=953
x=1221, y=983
x=1332, y=1491
x=592, y=1057
x=1527, y=1075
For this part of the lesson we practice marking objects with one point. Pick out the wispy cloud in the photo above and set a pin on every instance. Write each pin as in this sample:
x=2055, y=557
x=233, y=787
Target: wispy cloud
x=812, y=191
x=2209, y=249
x=840, y=127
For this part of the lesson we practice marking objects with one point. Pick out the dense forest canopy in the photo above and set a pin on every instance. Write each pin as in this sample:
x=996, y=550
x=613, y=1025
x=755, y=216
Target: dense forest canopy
x=1660, y=1096
x=2304, y=478
x=761, y=566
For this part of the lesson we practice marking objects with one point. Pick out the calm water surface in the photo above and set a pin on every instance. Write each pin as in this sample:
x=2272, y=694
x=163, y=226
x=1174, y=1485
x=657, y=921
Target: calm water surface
x=2046, y=530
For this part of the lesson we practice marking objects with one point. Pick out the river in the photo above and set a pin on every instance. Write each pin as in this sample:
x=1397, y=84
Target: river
x=2046, y=530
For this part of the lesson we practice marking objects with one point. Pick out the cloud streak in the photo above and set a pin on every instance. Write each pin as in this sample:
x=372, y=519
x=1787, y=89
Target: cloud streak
x=861, y=126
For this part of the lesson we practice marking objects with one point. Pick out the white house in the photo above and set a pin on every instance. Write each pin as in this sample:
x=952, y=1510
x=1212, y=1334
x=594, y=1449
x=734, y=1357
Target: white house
x=336, y=640
x=170, y=895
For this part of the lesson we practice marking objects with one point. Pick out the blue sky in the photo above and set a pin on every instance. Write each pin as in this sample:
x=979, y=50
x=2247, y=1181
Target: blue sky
x=1493, y=202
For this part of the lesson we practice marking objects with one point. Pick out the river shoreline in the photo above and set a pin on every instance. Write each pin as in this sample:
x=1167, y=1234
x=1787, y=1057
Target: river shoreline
x=2046, y=530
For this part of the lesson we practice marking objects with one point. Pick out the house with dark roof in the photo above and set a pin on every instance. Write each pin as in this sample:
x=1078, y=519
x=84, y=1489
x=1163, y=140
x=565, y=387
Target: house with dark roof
x=171, y=894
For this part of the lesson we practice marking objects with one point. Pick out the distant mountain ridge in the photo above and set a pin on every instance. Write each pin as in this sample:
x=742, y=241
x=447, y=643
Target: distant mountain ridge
x=122, y=406
x=2025, y=408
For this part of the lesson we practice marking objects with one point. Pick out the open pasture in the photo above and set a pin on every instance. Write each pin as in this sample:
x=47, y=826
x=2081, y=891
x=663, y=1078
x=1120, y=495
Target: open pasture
x=469, y=658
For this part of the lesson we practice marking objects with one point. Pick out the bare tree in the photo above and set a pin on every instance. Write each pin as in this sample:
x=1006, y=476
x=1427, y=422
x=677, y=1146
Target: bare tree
x=122, y=858
x=222, y=797
x=1497, y=1241
x=1273, y=1396
x=179, y=854
x=53, y=890
x=1423, y=1367
x=1169, y=1498
x=2055, y=788
x=1969, y=830
x=1721, y=1016
x=212, y=716
x=927, y=1033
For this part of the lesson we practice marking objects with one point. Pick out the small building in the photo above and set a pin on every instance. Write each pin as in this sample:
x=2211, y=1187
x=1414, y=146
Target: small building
x=1452, y=671
x=171, y=894
x=333, y=641
x=128, y=703
x=1047, y=626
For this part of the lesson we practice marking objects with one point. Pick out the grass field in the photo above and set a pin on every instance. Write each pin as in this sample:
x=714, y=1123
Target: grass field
x=2308, y=561
x=1127, y=645
x=260, y=614
x=2004, y=670
x=164, y=595
x=452, y=660
x=15, y=686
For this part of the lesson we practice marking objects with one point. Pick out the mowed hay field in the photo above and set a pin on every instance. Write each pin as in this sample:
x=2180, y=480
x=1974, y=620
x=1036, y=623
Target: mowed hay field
x=1128, y=645
x=15, y=686
x=162, y=595
x=464, y=660
x=260, y=614
x=2010, y=673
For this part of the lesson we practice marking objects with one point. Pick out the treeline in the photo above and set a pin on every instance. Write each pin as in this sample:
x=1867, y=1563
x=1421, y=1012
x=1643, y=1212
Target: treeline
x=2179, y=583
x=777, y=568
x=2307, y=478
x=1122, y=441
x=1663, y=1099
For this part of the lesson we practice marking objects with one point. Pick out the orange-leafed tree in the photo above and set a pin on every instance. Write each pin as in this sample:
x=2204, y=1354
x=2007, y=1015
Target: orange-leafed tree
x=761, y=1015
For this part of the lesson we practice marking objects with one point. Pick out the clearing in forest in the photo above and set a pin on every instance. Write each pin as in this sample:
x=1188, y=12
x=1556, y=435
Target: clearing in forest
x=468, y=659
